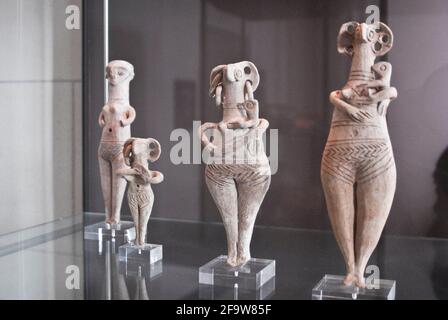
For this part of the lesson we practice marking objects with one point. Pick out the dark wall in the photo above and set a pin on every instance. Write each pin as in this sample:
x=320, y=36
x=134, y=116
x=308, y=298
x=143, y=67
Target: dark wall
x=418, y=118
x=174, y=44
x=93, y=100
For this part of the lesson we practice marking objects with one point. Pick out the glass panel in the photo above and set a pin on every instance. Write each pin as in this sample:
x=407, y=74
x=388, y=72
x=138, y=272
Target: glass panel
x=41, y=179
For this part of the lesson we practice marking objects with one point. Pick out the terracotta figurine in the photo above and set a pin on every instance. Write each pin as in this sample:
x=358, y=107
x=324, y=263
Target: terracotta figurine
x=137, y=152
x=358, y=169
x=239, y=176
x=115, y=119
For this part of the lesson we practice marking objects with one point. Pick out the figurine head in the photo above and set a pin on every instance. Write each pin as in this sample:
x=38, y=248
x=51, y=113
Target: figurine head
x=234, y=74
x=377, y=35
x=119, y=71
x=141, y=150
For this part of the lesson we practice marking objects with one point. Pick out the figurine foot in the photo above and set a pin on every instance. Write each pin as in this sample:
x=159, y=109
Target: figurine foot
x=242, y=260
x=112, y=222
x=360, y=281
x=232, y=261
x=350, y=279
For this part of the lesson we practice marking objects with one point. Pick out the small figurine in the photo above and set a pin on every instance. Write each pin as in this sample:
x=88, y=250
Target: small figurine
x=115, y=119
x=137, y=152
x=358, y=168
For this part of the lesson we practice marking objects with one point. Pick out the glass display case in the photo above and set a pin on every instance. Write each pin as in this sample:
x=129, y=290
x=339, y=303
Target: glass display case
x=54, y=239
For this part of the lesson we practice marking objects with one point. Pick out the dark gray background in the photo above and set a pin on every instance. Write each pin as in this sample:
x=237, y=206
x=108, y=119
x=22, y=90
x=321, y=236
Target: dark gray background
x=174, y=44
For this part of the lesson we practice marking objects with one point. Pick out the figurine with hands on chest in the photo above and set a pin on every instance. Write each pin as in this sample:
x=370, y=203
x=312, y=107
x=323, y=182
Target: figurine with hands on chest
x=358, y=169
x=137, y=152
x=238, y=186
x=115, y=120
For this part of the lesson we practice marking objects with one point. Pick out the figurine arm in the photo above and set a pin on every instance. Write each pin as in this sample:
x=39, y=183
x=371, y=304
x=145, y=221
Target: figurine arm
x=102, y=119
x=353, y=112
x=385, y=94
x=130, y=117
x=335, y=99
x=379, y=83
x=127, y=173
x=201, y=132
x=156, y=177
x=263, y=124
x=383, y=106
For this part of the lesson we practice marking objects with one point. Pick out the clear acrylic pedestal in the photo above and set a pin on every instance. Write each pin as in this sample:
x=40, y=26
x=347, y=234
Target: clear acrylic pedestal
x=124, y=231
x=138, y=269
x=332, y=287
x=252, y=275
x=147, y=253
x=211, y=292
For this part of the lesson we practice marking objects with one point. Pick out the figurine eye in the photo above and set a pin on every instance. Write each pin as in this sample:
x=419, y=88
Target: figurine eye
x=120, y=73
x=385, y=38
x=247, y=70
x=351, y=28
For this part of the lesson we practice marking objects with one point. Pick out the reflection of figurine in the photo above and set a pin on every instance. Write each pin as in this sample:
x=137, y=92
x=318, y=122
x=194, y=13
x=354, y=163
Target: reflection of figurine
x=358, y=169
x=439, y=227
x=137, y=152
x=115, y=119
x=141, y=290
x=237, y=186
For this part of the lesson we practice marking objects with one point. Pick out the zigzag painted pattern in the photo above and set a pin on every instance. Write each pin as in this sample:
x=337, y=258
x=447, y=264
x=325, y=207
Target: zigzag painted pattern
x=224, y=174
x=357, y=161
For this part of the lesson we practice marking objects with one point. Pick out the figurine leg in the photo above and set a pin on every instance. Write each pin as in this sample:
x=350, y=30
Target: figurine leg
x=224, y=193
x=106, y=185
x=118, y=189
x=374, y=201
x=144, y=213
x=339, y=196
x=133, y=206
x=250, y=197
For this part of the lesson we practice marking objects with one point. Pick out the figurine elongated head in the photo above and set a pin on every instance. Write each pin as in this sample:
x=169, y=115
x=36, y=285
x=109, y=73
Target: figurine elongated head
x=234, y=74
x=119, y=71
x=378, y=35
x=141, y=150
